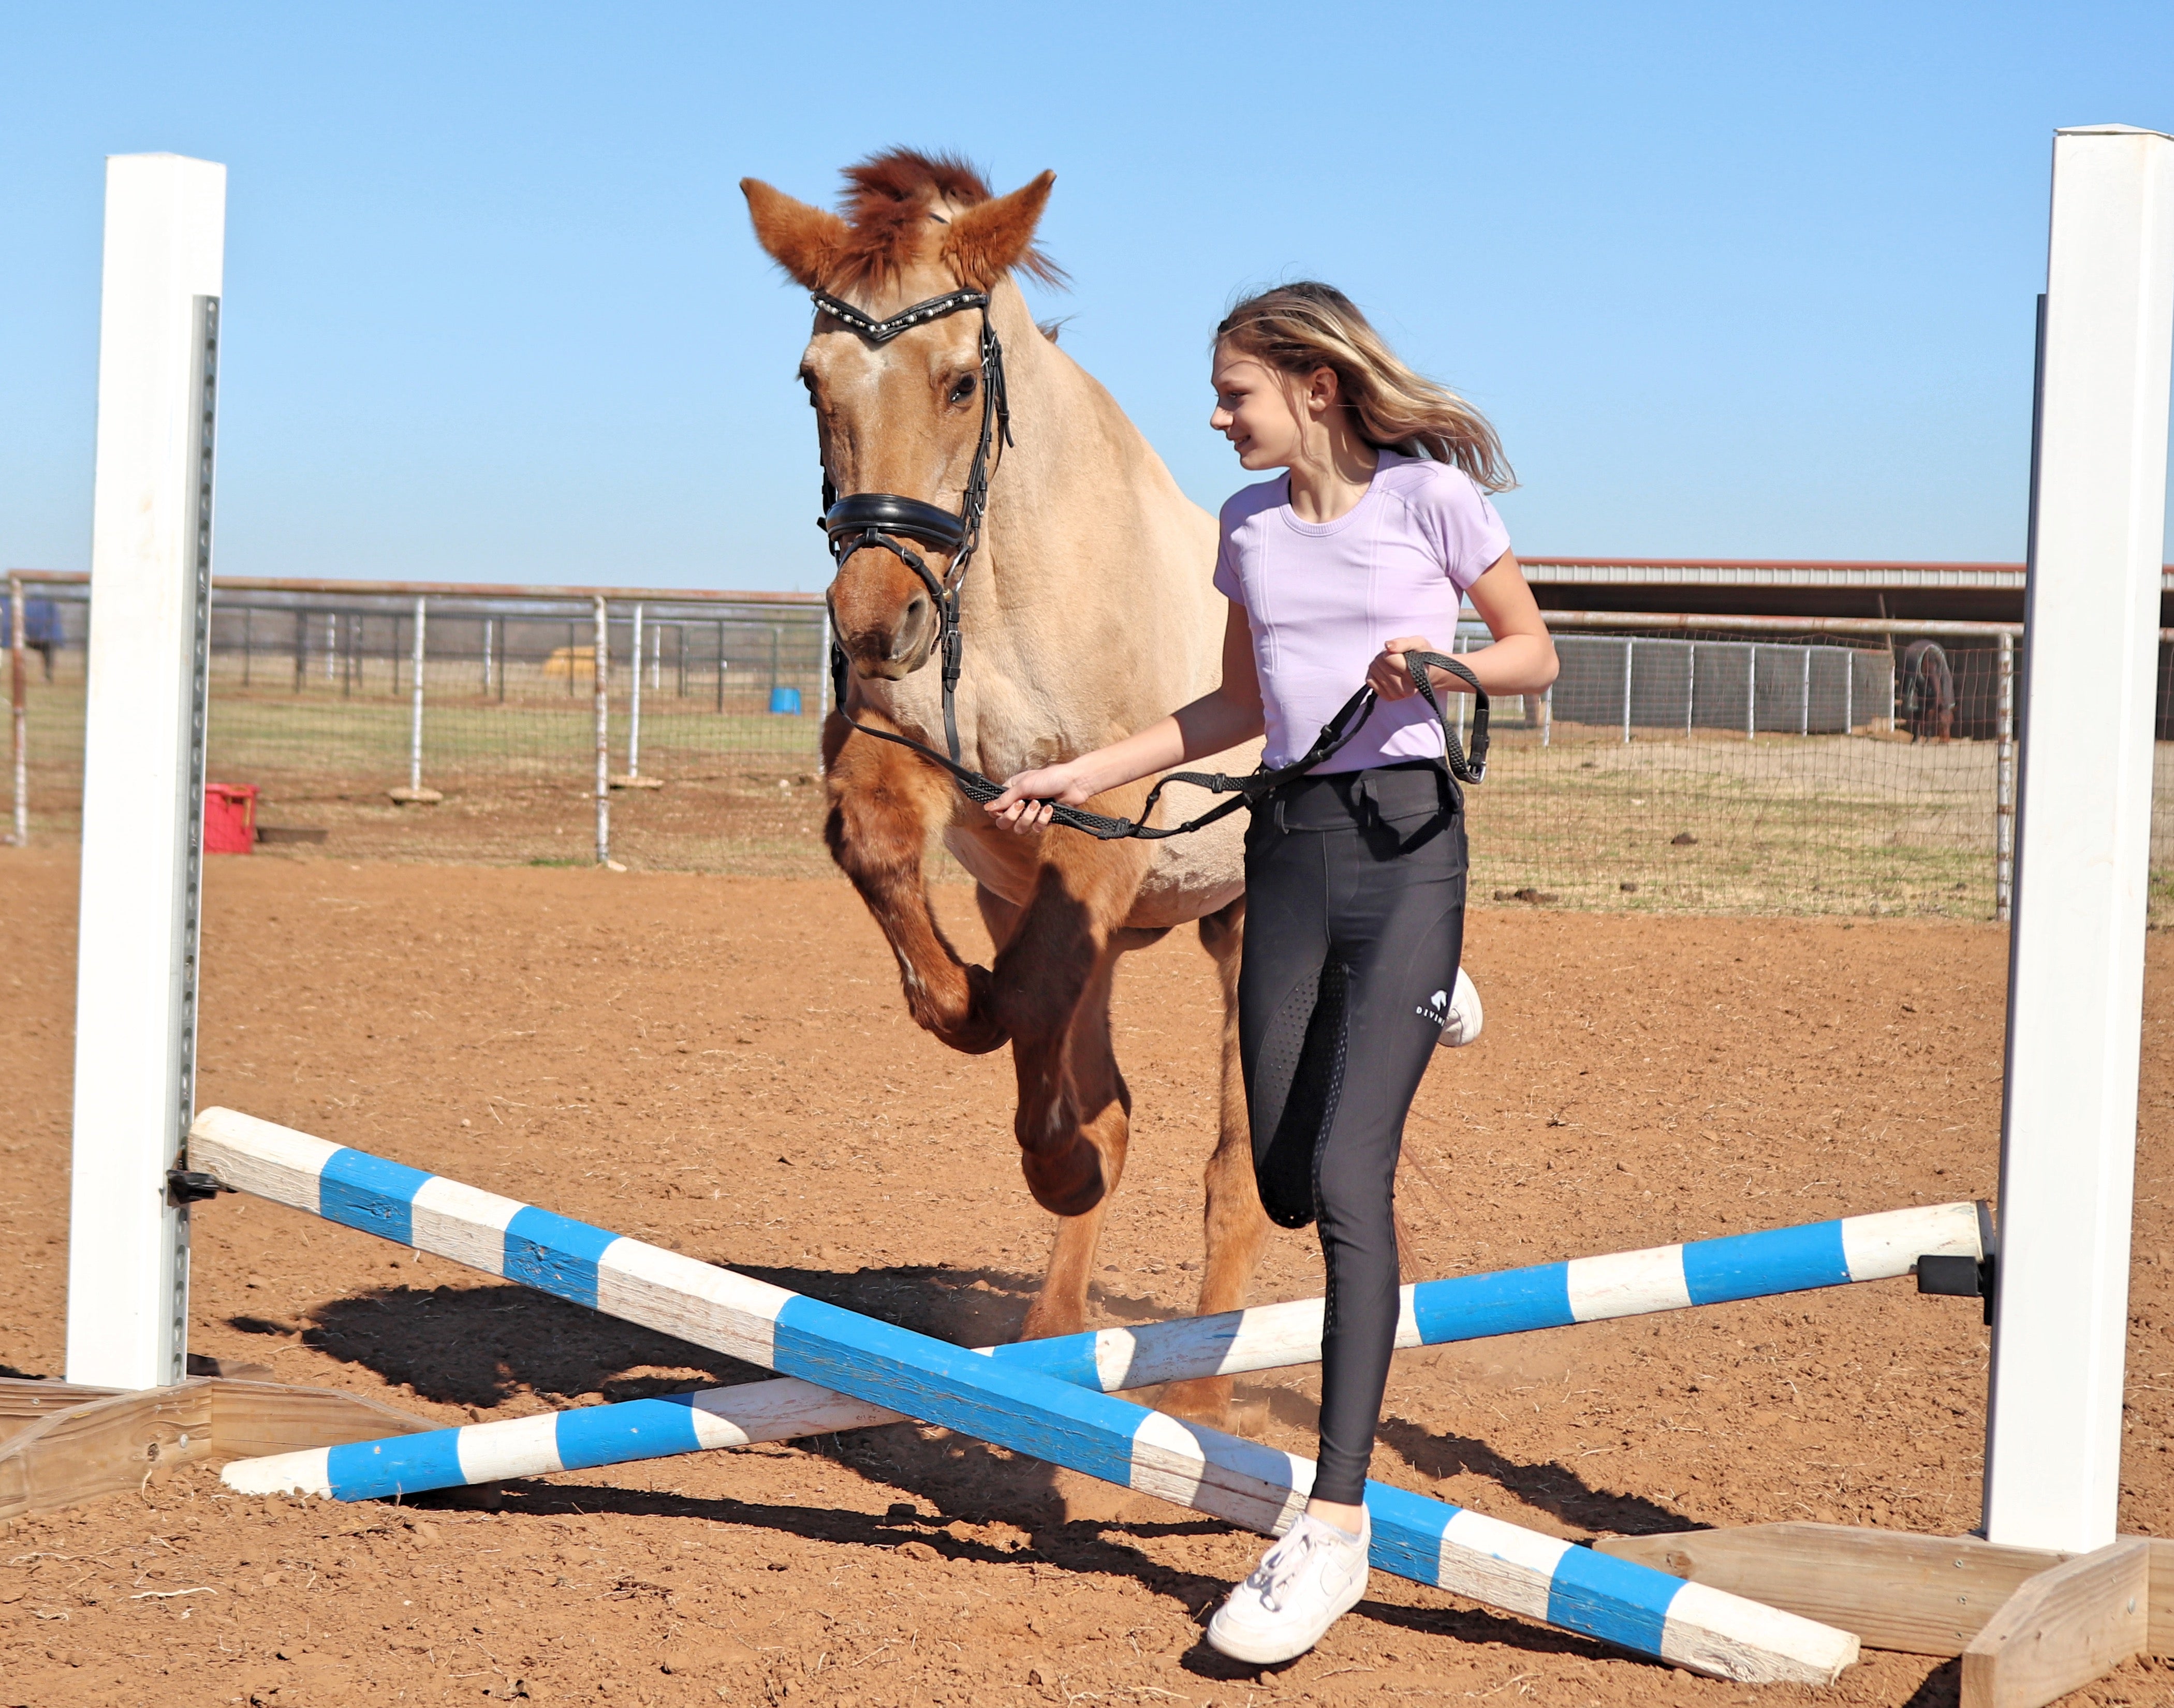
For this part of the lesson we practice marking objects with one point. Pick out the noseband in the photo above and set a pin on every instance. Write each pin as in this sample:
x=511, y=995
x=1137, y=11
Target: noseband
x=884, y=519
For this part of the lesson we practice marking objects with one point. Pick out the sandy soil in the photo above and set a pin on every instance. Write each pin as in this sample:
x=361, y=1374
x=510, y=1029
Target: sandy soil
x=722, y=1066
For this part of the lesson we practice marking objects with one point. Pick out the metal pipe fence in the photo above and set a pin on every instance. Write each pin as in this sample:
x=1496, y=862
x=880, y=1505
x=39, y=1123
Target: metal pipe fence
x=1700, y=762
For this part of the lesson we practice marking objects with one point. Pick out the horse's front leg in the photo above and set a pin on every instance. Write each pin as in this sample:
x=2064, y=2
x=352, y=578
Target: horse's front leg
x=884, y=804
x=1236, y=1226
x=1050, y=990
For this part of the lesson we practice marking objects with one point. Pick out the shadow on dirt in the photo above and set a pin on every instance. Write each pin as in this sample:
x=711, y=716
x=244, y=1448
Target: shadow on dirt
x=482, y=1345
x=1545, y=1485
x=1105, y=1546
x=1942, y=1687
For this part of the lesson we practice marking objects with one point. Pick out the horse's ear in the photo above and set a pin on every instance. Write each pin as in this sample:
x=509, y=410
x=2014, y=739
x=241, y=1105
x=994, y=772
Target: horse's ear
x=989, y=239
x=805, y=241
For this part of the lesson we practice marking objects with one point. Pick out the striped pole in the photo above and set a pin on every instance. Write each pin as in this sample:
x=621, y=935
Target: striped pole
x=994, y=1400
x=1112, y=1360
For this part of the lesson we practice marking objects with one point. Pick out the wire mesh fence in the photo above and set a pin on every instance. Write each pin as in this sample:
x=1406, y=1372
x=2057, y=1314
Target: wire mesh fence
x=1716, y=772
x=1739, y=768
x=313, y=702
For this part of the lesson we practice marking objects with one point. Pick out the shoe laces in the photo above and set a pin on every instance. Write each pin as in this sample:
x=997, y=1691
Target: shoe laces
x=1282, y=1565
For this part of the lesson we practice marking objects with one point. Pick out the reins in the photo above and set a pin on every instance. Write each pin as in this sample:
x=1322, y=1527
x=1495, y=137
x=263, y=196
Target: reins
x=887, y=520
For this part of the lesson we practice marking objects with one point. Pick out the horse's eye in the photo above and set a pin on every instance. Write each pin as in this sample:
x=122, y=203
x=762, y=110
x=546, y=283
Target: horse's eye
x=808, y=383
x=962, y=388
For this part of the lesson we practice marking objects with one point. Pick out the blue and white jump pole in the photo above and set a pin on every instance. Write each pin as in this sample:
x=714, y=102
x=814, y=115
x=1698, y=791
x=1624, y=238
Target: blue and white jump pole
x=1003, y=1400
x=234, y=1147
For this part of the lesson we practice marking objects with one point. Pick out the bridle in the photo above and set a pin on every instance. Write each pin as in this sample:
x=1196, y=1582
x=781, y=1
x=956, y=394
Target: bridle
x=888, y=521
x=863, y=519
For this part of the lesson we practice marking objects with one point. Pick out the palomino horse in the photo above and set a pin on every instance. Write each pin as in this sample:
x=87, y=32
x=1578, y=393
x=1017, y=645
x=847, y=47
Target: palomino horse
x=1085, y=611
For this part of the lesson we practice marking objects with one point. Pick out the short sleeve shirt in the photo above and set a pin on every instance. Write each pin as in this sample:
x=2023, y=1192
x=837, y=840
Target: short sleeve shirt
x=1323, y=598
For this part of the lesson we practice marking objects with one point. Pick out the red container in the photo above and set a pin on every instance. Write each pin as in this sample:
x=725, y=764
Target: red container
x=230, y=825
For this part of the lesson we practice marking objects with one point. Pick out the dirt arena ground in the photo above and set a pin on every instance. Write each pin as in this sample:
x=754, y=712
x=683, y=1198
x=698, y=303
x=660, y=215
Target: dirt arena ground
x=724, y=1066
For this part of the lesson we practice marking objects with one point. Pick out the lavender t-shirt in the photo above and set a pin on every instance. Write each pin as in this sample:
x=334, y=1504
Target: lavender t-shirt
x=1323, y=598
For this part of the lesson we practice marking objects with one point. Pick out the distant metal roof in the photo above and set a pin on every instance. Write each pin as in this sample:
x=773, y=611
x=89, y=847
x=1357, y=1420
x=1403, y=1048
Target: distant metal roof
x=1712, y=572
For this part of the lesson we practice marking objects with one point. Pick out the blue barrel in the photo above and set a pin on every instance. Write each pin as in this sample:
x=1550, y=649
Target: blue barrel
x=784, y=702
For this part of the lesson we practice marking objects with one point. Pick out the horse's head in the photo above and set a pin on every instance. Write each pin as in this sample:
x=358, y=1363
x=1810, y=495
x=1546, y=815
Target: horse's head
x=899, y=414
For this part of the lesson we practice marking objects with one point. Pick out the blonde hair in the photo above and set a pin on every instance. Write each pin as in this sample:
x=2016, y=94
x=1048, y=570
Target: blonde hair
x=1299, y=328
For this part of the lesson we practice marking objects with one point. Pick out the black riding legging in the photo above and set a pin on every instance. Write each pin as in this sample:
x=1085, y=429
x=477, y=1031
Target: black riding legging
x=1355, y=919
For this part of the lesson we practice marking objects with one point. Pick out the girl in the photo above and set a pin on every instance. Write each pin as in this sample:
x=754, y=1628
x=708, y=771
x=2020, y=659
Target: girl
x=1360, y=552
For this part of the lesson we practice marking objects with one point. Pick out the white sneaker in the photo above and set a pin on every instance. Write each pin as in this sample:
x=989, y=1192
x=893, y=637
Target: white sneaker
x=1303, y=1584
x=1465, y=1018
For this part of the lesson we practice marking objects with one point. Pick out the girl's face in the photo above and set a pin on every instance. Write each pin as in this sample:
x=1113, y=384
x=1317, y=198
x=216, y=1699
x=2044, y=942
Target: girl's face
x=1253, y=410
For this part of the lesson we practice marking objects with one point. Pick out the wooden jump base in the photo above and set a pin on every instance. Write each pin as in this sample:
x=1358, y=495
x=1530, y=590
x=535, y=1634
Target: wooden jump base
x=61, y=1443
x=1023, y=1409
x=2030, y=1624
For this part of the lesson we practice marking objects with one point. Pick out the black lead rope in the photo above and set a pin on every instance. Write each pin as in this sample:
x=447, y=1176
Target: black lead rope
x=1248, y=790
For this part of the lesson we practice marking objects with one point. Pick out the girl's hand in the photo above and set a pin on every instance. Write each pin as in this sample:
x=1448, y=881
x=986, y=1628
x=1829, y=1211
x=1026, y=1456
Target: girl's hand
x=1388, y=675
x=1023, y=805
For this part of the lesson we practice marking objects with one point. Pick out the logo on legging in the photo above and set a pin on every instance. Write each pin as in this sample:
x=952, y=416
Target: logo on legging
x=1436, y=1010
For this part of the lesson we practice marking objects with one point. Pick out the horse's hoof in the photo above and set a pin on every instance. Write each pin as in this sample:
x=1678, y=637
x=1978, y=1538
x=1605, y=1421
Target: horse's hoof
x=1203, y=1400
x=1068, y=1183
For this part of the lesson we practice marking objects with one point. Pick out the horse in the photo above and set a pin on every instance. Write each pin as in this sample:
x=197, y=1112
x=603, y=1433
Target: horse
x=1084, y=610
x=1929, y=692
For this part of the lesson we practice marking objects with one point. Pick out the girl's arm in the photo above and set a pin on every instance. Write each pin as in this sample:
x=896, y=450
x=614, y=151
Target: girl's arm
x=1218, y=720
x=1522, y=660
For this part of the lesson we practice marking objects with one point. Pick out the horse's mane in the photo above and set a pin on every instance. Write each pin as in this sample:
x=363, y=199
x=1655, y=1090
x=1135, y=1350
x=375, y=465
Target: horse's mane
x=887, y=206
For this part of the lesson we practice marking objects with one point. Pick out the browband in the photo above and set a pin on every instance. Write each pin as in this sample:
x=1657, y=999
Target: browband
x=882, y=332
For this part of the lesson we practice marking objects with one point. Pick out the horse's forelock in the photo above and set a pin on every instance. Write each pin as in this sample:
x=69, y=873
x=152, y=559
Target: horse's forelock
x=887, y=203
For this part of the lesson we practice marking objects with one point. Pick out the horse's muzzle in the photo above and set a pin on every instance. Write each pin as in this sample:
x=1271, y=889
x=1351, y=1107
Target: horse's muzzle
x=893, y=646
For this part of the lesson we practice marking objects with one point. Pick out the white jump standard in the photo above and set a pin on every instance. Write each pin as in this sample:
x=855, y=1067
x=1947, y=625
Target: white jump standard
x=1431, y=1542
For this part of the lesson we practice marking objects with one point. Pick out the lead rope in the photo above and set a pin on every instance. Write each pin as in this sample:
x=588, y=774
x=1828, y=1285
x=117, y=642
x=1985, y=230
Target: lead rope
x=1247, y=791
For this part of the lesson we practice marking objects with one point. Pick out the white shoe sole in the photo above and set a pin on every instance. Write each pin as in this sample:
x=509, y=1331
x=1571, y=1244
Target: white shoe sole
x=1466, y=1016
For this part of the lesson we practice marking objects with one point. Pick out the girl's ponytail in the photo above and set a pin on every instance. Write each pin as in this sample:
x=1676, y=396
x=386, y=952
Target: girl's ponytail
x=1298, y=328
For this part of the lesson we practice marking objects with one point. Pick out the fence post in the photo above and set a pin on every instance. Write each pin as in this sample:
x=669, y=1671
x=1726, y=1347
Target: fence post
x=19, y=693
x=415, y=719
x=656, y=653
x=1630, y=647
x=486, y=656
x=2003, y=791
x=823, y=666
x=1690, y=688
x=503, y=629
x=634, y=710
x=1849, y=691
x=601, y=672
x=1751, y=692
x=1547, y=717
x=1804, y=710
x=332, y=645
x=720, y=666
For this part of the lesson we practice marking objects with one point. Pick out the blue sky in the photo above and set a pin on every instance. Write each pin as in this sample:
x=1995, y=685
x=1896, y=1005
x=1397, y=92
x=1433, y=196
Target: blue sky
x=1733, y=281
